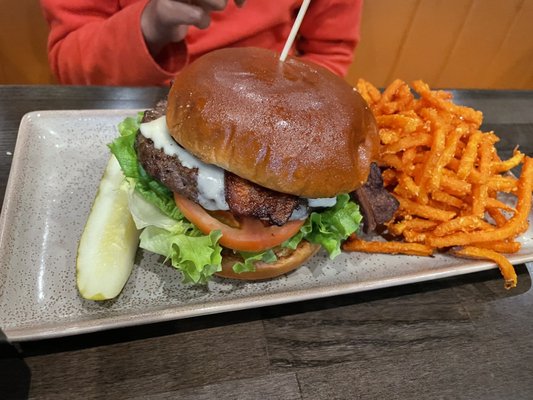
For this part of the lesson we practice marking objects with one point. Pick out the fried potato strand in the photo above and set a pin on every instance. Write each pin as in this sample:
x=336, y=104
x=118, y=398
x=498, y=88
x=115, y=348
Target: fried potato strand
x=506, y=268
x=446, y=174
x=511, y=229
x=414, y=249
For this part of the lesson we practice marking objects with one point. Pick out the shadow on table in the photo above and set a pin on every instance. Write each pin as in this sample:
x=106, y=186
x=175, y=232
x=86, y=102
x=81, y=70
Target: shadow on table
x=15, y=375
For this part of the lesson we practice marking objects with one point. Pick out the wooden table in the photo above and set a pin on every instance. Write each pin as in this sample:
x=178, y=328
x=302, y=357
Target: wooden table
x=462, y=337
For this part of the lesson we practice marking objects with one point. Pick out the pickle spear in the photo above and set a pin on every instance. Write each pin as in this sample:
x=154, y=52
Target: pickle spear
x=109, y=241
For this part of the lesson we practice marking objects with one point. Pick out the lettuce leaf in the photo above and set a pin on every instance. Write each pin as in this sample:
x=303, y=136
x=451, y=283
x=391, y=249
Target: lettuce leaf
x=165, y=230
x=152, y=190
x=330, y=227
x=247, y=265
x=197, y=257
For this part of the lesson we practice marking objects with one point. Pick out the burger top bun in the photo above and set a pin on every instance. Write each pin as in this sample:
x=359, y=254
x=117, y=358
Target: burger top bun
x=293, y=127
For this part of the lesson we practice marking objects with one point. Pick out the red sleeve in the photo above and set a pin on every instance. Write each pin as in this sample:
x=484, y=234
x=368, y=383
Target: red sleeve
x=98, y=43
x=330, y=32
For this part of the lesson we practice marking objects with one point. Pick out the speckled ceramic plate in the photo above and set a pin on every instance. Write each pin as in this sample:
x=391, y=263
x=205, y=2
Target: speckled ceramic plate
x=58, y=161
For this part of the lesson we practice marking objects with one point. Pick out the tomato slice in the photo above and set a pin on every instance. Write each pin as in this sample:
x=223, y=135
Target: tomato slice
x=251, y=235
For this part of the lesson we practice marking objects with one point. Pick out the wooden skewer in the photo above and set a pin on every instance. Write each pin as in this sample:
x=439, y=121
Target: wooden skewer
x=294, y=30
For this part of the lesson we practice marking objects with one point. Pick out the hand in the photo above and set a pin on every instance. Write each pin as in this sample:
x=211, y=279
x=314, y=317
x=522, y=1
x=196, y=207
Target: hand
x=166, y=21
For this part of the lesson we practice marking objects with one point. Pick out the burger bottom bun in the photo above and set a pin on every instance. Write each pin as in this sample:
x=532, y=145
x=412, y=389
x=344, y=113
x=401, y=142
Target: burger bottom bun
x=288, y=260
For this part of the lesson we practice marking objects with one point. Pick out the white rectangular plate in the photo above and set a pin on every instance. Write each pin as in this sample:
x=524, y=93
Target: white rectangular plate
x=58, y=161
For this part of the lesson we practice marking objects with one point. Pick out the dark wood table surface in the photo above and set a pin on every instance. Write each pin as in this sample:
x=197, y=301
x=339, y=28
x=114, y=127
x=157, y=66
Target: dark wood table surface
x=456, y=338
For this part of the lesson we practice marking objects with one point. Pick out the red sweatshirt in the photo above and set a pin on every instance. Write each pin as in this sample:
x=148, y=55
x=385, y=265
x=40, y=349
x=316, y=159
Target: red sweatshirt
x=100, y=42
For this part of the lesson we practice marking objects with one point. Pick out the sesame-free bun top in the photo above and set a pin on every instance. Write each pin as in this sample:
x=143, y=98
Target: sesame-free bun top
x=293, y=127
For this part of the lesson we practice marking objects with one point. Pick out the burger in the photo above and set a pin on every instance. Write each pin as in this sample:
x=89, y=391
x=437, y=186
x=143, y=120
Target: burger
x=250, y=165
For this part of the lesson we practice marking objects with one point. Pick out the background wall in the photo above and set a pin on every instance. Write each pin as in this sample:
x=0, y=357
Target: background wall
x=23, y=34
x=447, y=43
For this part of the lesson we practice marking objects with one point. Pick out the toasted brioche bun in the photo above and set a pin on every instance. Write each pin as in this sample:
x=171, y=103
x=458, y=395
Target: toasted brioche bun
x=289, y=126
x=288, y=260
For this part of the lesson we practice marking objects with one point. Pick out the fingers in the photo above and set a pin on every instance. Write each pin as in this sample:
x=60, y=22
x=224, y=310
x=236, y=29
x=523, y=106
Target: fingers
x=165, y=21
x=173, y=13
x=209, y=5
x=178, y=33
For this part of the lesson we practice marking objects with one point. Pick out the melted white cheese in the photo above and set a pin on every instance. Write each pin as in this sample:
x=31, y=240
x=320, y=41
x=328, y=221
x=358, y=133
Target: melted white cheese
x=299, y=213
x=210, y=177
x=323, y=202
x=211, y=194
